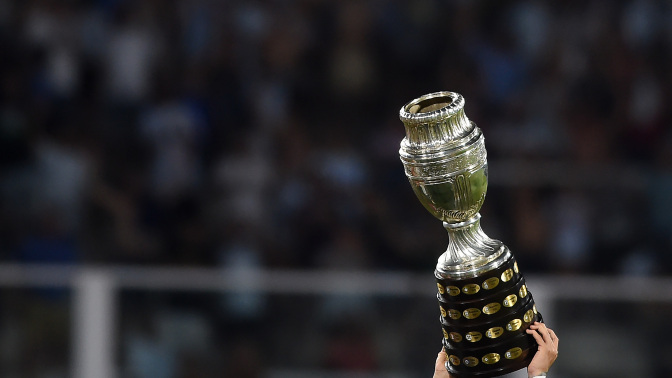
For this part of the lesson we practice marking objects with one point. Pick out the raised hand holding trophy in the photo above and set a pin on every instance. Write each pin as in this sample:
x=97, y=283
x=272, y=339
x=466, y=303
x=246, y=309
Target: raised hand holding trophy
x=484, y=303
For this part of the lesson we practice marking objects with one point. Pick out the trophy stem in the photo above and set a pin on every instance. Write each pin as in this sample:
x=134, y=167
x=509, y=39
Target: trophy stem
x=470, y=251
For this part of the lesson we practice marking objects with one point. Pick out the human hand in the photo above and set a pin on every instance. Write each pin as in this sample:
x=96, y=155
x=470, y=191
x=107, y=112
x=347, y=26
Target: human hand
x=547, y=352
x=440, y=366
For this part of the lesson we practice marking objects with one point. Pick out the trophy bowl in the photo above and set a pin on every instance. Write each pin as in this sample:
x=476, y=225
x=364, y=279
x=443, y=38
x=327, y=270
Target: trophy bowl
x=484, y=302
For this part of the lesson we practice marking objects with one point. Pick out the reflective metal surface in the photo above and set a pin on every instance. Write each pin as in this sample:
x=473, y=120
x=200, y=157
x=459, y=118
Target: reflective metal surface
x=445, y=161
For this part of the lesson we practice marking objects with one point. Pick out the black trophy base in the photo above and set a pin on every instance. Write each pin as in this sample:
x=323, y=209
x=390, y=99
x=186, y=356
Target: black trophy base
x=484, y=320
x=522, y=364
x=490, y=366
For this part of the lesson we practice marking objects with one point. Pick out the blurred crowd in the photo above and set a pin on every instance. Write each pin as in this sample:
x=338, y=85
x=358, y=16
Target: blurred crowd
x=265, y=133
x=248, y=134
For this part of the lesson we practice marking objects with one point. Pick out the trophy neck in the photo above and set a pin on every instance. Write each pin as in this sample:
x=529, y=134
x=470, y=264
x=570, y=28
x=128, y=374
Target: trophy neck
x=470, y=251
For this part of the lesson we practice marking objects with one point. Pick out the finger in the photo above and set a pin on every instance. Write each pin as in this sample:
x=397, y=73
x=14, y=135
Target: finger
x=544, y=333
x=554, y=337
x=551, y=333
x=440, y=364
x=536, y=325
x=536, y=336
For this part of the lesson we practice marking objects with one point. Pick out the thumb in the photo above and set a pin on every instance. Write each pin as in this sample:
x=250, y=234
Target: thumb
x=441, y=361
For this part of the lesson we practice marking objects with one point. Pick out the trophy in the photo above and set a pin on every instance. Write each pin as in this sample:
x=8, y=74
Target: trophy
x=484, y=302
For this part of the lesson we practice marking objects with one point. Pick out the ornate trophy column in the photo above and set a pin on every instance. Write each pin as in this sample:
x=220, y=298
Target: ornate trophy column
x=484, y=302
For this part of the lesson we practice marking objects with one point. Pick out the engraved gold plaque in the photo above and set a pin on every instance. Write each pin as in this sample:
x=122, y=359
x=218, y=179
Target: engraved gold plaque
x=514, y=325
x=510, y=300
x=507, y=275
x=471, y=289
x=443, y=312
x=491, y=308
x=515, y=267
x=470, y=361
x=523, y=291
x=529, y=315
x=454, y=314
x=472, y=313
x=453, y=290
x=513, y=353
x=490, y=283
x=456, y=337
x=490, y=358
x=442, y=290
x=494, y=332
x=454, y=360
x=473, y=336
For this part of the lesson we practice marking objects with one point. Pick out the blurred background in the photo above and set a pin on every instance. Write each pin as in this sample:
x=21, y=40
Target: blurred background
x=211, y=188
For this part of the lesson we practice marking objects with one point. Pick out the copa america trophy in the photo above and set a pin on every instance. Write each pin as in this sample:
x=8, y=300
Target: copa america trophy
x=484, y=302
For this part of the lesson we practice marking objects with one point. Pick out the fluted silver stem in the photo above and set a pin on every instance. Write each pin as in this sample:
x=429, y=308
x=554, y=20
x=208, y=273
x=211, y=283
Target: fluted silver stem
x=470, y=251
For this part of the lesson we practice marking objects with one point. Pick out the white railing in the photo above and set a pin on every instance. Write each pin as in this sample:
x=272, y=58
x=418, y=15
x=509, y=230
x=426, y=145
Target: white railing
x=95, y=290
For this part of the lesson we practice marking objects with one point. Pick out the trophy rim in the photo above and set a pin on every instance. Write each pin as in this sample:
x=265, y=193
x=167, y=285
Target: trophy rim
x=407, y=116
